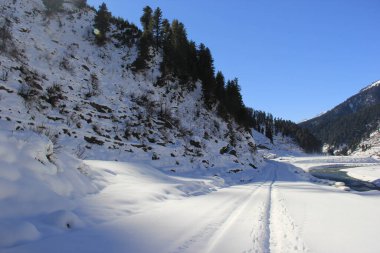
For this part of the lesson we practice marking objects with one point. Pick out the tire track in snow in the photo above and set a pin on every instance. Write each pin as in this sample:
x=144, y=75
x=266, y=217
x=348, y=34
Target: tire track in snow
x=257, y=234
x=231, y=220
x=283, y=232
x=224, y=218
x=268, y=211
x=260, y=233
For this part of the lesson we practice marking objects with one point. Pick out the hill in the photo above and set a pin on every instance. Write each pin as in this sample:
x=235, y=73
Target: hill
x=344, y=127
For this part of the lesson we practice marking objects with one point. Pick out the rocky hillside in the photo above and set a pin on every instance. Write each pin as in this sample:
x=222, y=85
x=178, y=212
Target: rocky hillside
x=344, y=128
x=56, y=81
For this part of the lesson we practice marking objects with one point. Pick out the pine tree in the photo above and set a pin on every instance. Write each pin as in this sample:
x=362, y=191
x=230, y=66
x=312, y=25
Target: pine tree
x=269, y=130
x=206, y=74
x=233, y=97
x=220, y=86
x=179, y=54
x=192, y=59
x=80, y=3
x=167, y=49
x=102, y=24
x=146, y=40
x=147, y=22
x=157, y=28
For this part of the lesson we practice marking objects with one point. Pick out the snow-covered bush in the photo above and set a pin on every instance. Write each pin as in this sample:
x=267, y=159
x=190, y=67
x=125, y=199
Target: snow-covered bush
x=53, y=147
x=29, y=94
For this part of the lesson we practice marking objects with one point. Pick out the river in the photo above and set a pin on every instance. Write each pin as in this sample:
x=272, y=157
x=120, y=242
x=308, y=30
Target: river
x=336, y=174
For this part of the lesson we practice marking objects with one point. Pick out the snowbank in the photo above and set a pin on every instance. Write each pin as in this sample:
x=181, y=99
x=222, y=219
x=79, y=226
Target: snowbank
x=368, y=173
x=35, y=182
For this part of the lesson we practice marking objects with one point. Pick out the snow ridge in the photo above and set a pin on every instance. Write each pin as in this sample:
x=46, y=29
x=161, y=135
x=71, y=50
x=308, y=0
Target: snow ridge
x=374, y=84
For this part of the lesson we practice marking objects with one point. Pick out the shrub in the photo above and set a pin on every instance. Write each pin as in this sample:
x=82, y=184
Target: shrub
x=54, y=95
x=29, y=94
x=53, y=5
x=66, y=65
x=6, y=45
x=80, y=3
x=93, y=86
x=4, y=75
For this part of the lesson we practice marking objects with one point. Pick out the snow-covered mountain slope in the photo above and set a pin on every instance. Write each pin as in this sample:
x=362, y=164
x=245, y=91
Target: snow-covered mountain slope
x=344, y=127
x=88, y=96
x=369, y=146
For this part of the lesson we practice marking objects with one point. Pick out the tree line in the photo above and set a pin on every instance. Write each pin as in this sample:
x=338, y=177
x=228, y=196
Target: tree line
x=184, y=60
x=349, y=129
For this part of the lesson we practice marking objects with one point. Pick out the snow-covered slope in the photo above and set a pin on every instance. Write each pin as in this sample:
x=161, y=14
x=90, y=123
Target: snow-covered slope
x=99, y=109
x=63, y=99
x=369, y=146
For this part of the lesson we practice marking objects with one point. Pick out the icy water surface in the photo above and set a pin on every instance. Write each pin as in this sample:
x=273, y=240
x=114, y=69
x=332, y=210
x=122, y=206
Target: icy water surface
x=335, y=174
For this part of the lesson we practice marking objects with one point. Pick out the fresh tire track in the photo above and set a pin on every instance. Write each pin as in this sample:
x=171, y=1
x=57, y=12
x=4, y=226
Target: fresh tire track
x=284, y=236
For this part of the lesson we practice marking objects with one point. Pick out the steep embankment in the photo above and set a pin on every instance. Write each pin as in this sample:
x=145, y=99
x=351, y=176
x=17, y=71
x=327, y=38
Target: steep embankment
x=56, y=79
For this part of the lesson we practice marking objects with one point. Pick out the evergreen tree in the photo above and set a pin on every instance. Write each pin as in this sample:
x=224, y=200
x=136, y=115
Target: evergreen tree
x=146, y=40
x=167, y=50
x=234, y=101
x=179, y=54
x=147, y=22
x=206, y=74
x=127, y=33
x=220, y=86
x=192, y=59
x=179, y=44
x=157, y=28
x=80, y=3
x=102, y=24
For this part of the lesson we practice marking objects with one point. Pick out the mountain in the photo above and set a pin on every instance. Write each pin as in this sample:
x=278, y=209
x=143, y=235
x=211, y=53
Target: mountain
x=345, y=127
x=98, y=87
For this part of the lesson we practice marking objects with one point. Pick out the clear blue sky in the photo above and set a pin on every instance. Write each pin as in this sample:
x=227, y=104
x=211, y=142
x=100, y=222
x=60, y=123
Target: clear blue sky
x=293, y=58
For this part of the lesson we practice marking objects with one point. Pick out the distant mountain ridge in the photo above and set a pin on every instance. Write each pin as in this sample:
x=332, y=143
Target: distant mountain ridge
x=349, y=123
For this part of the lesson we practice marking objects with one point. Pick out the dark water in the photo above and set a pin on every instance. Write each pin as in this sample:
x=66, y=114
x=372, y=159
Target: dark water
x=335, y=174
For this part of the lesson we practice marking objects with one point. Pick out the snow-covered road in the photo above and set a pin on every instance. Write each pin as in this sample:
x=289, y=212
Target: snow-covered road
x=281, y=211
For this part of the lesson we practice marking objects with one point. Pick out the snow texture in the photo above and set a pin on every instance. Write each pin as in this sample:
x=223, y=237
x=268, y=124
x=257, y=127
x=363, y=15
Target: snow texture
x=108, y=173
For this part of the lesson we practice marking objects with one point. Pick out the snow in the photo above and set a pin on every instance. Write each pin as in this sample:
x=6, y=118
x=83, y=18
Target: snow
x=367, y=173
x=191, y=199
x=16, y=232
x=140, y=209
x=374, y=84
x=32, y=186
x=369, y=146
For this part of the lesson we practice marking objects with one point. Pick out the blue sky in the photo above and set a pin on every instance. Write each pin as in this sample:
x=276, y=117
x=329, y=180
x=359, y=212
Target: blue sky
x=293, y=58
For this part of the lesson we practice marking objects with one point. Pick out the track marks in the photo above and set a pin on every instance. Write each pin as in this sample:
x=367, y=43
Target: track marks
x=284, y=231
x=257, y=222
